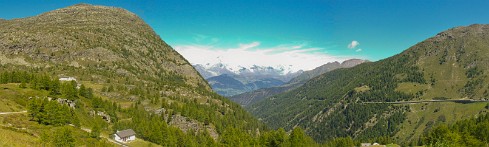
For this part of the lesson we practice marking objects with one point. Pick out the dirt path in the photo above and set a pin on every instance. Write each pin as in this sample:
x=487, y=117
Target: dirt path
x=101, y=136
x=4, y=113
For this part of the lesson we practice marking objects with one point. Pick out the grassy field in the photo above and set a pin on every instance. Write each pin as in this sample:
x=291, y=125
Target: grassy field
x=9, y=137
x=13, y=98
x=424, y=116
x=17, y=130
x=411, y=88
x=141, y=143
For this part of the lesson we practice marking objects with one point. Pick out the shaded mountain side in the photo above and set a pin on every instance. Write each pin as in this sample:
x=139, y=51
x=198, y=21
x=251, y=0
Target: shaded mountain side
x=264, y=83
x=125, y=63
x=451, y=65
x=248, y=98
x=225, y=81
x=307, y=75
x=228, y=85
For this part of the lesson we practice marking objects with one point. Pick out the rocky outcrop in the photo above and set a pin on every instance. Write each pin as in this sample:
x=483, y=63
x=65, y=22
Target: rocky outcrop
x=186, y=124
x=102, y=114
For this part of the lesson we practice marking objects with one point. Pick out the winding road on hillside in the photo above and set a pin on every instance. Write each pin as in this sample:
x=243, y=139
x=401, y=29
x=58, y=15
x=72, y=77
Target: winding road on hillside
x=464, y=101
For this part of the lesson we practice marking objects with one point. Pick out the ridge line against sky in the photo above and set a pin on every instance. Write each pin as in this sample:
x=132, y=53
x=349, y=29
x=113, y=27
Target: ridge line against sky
x=304, y=34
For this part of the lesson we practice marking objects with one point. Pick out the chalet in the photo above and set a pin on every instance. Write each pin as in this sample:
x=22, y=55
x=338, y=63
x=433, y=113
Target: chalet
x=67, y=79
x=371, y=145
x=365, y=144
x=125, y=135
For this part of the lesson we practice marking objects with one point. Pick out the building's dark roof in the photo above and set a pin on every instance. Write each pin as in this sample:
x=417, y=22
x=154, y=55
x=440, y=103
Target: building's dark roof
x=125, y=133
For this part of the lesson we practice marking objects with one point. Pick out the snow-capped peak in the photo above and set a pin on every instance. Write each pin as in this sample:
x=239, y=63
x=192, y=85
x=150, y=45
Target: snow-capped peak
x=279, y=72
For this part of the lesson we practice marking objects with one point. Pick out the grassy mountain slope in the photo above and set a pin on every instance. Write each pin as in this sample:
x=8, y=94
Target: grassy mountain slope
x=249, y=98
x=119, y=56
x=451, y=65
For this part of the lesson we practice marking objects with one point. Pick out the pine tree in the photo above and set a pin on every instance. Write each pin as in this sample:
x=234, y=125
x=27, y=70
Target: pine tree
x=23, y=85
x=298, y=137
x=95, y=133
x=63, y=138
x=83, y=91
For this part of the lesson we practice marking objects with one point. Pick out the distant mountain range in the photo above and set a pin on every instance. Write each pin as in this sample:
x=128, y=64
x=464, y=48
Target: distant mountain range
x=251, y=97
x=228, y=81
x=247, y=73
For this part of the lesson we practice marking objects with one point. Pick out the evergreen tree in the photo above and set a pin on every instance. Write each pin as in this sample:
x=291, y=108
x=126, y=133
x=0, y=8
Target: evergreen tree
x=68, y=90
x=95, y=133
x=82, y=91
x=63, y=138
x=298, y=137
x=23, y=85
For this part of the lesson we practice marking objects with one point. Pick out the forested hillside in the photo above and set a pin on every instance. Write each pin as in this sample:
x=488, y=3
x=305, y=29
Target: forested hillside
x=468, y=132
x=351, y=102
x=59, y=113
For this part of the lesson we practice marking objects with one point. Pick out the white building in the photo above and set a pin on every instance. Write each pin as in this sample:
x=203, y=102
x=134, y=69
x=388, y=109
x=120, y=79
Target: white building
x=125, y=135
x=67, y=79
x=365, y=144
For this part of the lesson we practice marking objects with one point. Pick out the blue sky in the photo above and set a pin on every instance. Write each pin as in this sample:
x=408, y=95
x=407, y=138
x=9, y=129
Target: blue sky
x=299, y=33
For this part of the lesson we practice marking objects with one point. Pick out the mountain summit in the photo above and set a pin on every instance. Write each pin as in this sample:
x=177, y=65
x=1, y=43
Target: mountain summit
x=93, y=37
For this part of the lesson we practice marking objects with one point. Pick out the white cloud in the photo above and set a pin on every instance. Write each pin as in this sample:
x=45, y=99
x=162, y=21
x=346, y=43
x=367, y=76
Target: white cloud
x=353, y=44
x=358, y=50
x=250, y=45
x=291, y=57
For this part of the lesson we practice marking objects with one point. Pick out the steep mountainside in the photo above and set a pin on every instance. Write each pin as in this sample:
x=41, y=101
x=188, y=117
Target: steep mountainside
x=115, y=53
x=225, y=81
x=251, y=97
x=228, y=85
x=307, y=75
x=351, y=102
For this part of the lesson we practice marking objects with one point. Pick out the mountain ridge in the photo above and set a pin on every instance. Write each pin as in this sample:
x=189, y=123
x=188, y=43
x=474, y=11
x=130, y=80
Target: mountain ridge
x=450, y=65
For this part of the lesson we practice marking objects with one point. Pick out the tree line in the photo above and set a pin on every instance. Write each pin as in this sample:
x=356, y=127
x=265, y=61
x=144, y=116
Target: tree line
x=468, y=132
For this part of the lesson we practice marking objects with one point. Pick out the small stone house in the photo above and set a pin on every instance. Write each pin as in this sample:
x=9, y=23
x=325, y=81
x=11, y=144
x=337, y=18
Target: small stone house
x=125, y=135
